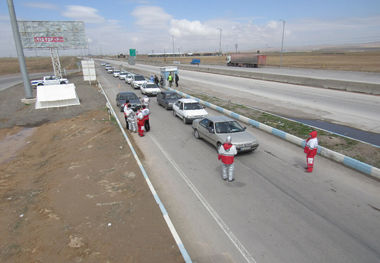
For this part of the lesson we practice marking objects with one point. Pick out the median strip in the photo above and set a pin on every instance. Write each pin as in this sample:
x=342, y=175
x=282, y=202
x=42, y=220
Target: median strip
x=325, y=152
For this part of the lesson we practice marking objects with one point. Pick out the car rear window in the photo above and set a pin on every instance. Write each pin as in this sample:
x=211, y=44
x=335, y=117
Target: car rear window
x=139, y=78
x=151, y=86
x=192, y=106
x=228, y=127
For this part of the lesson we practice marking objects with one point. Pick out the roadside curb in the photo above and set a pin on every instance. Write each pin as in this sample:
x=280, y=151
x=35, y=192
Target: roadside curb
x=335, y=156
x=165, y=214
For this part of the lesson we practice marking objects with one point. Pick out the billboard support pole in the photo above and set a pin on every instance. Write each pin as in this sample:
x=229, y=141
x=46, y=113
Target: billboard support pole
x=20, y=51
x=55, y=61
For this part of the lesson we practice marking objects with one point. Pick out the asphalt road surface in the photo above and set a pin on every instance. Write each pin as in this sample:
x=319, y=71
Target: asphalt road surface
x=355, y=110
x=356, y=76
x=273, y=211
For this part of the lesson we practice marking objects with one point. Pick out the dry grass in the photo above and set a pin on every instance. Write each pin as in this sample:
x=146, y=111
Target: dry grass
x=353, y=61
x=35, y=64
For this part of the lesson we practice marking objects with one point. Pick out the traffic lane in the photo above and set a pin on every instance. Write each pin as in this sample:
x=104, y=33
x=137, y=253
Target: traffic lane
x=289, y=203
x=347, y=108
x=7, y=81
x=356, y=76
x=267, y=171
x=203, y=239
x=358, y=110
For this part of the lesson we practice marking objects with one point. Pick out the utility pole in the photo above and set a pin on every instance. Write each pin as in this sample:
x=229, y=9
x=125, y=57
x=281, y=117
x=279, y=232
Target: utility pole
x=20, y=51
x=173, y=43
x=220, y=40
x=282, y=42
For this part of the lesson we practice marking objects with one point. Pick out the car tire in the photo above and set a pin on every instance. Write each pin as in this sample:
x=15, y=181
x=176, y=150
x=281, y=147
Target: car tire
x=196, y=134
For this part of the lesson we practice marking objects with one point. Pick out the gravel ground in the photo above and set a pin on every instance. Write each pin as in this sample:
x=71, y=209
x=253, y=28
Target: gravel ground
x=70, y=189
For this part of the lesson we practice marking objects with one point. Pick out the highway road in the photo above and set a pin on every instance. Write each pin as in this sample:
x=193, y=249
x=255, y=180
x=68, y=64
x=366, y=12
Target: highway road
x=355, y=110
x=355, y=76
x=273, y=211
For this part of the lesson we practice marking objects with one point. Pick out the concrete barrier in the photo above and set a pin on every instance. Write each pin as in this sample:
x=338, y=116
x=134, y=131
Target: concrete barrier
x=338, y=157
x=51, y=96
x=362, y=87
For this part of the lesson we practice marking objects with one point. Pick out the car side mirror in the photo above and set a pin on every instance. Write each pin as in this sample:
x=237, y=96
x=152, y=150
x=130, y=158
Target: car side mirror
x=244, y=128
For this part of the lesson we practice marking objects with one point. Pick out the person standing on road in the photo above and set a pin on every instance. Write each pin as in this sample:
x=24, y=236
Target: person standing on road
x=145, y=111
x=226, y=153
x=140, y=123
x=156, y=81
x=176, y=80
x=311, y=149
x=128, y=112
x=125, y=107
x=133, y=120
x=170, y=79
x=145, y=101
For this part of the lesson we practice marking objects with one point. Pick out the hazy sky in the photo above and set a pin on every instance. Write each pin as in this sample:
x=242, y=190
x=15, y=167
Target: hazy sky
x=149, y=25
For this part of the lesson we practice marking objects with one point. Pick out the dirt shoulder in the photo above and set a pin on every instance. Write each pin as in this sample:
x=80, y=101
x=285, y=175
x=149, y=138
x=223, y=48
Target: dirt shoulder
x=70, y=189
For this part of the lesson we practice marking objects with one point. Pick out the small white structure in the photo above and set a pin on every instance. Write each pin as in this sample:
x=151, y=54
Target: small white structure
x=166, y=71
x=88, y=68
x=52, y=96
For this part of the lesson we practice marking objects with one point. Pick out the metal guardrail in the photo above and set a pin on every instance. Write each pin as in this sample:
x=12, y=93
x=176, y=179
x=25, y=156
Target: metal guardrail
x=338, y=157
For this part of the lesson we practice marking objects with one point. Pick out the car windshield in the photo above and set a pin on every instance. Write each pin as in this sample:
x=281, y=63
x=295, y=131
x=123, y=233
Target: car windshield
x=151, y=86
x=192, y=106
x=139, y=78
x=173, y=96
x=228, y=127
x=116, y=71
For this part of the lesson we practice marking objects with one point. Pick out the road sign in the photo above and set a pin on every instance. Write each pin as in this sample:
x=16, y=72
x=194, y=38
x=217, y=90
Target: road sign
x=132, y=52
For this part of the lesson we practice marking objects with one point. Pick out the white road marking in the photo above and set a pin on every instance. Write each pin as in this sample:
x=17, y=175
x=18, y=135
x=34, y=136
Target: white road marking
x=248, y=257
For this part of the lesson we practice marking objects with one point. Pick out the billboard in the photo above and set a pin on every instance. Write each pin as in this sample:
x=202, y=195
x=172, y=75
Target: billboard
x=52, y=34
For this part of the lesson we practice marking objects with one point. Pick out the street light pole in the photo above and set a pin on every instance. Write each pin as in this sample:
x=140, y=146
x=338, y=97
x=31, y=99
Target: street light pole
x=220, y=40
x=20, y=51
x=173, y=43
x=282, y=42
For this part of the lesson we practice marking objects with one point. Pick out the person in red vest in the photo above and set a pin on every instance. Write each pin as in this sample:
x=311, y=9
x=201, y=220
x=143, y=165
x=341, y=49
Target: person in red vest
x=226, y=153
x=311, y=149
x=140, y=123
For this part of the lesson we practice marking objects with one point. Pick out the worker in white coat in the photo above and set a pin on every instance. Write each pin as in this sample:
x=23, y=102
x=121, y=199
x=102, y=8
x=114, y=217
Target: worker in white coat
x=226, y=153
x=131, y=118
x=145, y=101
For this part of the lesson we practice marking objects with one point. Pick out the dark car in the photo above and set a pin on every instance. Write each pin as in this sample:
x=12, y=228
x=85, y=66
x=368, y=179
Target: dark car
x=167, y=98
x=121, y=97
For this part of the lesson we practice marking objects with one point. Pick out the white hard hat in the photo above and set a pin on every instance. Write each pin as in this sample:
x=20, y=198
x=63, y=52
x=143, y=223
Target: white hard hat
x=228, y=139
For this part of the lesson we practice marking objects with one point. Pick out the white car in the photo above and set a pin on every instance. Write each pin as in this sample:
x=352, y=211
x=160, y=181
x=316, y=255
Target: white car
x=188, y=110
x=150, y=89
x=116, y=73
x=138, y=81
x=129, y=78
x=123, y=74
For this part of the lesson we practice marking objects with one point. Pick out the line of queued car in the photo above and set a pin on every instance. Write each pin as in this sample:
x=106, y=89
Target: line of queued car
x=212, y=129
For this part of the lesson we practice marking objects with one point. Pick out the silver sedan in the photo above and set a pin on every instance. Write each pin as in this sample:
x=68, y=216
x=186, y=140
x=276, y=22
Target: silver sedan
x=215, y=129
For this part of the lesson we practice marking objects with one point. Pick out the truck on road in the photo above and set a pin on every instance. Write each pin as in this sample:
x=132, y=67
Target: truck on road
x=250, y=60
